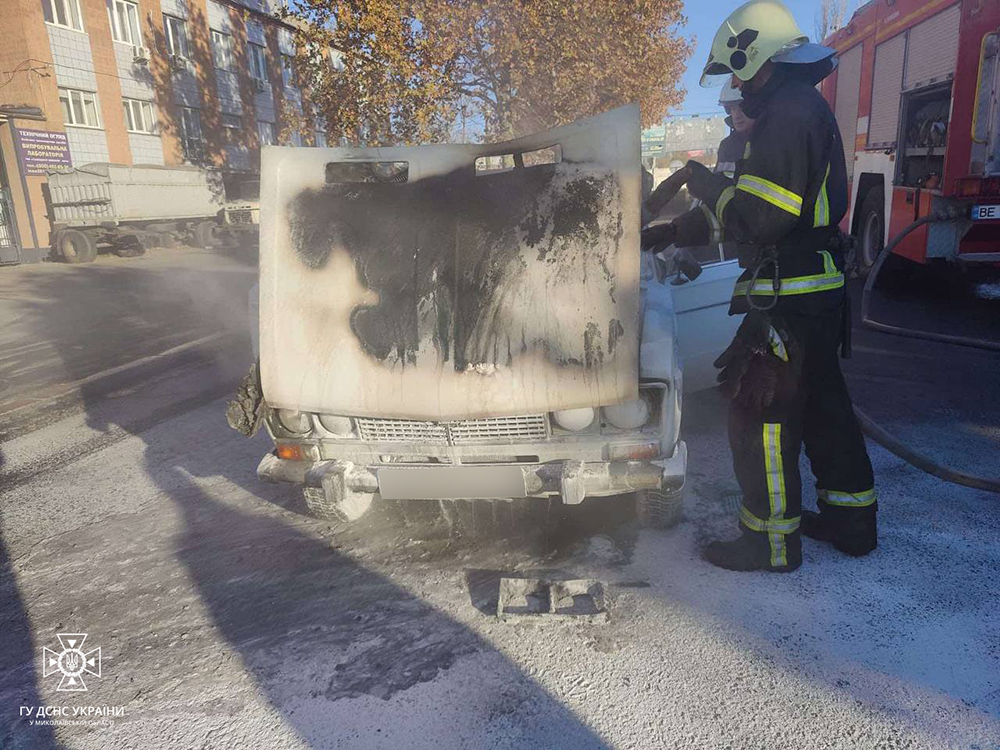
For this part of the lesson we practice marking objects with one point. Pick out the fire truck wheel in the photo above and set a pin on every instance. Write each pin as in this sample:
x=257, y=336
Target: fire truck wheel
x=871, y=230
x=76, y=246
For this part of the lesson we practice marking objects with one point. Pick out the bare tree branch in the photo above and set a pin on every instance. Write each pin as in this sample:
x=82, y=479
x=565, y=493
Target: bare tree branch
x=831, y=16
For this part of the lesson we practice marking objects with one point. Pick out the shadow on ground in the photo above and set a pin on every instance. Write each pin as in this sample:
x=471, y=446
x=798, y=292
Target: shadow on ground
x=309, y=622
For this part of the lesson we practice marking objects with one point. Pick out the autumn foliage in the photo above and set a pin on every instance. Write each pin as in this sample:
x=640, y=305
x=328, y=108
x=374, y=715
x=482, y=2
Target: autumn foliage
x=406, y=69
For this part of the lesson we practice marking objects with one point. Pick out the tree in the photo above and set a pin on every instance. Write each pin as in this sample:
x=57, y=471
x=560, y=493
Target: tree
x=534, y=65
x=831, y=16
x=515, y=67
x=370, y=70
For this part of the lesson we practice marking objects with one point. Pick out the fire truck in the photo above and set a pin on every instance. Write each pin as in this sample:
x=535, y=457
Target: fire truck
x=916, y=98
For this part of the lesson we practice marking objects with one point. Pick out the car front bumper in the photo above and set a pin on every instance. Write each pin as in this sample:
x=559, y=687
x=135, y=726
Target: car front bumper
x=571, y=480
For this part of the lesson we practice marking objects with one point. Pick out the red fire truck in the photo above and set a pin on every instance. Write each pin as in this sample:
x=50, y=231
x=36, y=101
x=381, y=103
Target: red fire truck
x=916, y=97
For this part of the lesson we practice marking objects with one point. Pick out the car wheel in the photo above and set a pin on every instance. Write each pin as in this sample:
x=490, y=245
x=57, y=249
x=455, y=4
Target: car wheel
x=658, y=509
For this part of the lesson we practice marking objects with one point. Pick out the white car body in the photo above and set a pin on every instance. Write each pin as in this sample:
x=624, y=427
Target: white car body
x=492, y=450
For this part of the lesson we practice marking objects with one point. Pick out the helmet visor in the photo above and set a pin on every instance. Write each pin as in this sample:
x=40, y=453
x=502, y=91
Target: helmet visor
x=715, y=74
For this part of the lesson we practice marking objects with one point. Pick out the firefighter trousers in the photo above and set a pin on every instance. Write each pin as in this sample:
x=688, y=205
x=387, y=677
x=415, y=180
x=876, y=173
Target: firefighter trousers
x=816, y=411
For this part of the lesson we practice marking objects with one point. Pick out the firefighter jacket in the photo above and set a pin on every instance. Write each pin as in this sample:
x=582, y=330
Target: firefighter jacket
x=731, y=151
x=787, y=196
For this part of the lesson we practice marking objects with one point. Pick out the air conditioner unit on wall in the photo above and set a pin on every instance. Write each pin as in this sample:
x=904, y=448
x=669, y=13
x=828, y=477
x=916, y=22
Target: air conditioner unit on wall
x=140, y=56
x=178, y=63
x=260, y=84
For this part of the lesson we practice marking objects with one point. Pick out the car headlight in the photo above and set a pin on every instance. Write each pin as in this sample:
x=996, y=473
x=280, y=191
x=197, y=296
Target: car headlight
x=574, y=420
x=339, y=426
x=296, y=422
x=630, y=415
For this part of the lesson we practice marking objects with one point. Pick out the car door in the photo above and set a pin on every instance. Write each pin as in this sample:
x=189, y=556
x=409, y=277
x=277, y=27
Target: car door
x=701, y=306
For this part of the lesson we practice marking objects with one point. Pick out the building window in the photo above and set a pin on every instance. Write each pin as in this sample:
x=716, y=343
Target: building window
x=63, y=13
x=265, y=132
x=138, y=116
x=231, y=127
x=175, y=30
x=222, y=50
x=258, y=62
x=191, y=138
x=288, y=71
x=125, y=22
x=79, y=108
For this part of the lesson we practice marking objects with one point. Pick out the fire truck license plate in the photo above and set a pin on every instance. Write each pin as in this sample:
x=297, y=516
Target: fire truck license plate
x=979, y=213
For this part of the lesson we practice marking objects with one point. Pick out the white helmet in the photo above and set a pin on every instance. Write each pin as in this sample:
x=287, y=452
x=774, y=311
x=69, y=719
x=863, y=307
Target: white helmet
x=730, y=94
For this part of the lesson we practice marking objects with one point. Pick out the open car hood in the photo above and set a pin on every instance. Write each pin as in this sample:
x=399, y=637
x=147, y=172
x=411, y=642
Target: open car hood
x=407, y=282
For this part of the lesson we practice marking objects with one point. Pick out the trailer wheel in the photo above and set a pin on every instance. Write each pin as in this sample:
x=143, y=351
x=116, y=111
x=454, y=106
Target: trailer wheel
x=76, y=246
x=204, y=234
x=169, y=240
x=128, y=246
x=871, y=230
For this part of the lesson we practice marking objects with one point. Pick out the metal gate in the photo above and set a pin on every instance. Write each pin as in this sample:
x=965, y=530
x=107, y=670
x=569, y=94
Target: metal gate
x=9, y=250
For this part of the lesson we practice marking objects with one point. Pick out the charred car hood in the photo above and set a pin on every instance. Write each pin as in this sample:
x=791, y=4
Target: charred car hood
x=405, y=282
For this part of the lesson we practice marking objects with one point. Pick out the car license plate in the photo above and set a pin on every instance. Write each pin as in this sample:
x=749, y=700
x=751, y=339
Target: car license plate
x=447, y=482
x=980, y=213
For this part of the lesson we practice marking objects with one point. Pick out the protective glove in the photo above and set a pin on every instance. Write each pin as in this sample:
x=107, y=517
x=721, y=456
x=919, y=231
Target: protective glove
x=666, y=191
x=756, y=365
x=658, y=236
x=701, y=182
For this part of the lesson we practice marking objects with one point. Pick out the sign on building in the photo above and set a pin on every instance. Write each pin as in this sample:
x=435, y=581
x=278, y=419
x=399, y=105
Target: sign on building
x=42, y=151
x=654, y=141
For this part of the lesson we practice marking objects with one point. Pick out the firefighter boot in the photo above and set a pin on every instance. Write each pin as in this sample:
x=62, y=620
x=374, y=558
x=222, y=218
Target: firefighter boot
x=853, y=531
x=777, y=553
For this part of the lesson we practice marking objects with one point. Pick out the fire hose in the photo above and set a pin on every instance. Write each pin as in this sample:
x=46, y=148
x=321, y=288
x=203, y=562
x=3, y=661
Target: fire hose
x=875, y=431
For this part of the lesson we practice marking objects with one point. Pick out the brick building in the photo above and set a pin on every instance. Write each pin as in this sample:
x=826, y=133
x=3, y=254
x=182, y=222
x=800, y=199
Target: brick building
x=164, y=82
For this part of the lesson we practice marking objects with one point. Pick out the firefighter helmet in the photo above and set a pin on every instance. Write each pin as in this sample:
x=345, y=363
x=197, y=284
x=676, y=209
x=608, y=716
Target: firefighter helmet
x=730, y=94
x=754, y=33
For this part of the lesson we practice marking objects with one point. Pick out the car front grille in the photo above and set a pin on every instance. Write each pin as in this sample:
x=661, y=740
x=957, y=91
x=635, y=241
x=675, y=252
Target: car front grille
x=462, y=432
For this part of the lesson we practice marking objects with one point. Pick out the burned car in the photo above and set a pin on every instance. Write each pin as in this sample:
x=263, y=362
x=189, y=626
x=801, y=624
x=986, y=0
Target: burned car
x=474, y=322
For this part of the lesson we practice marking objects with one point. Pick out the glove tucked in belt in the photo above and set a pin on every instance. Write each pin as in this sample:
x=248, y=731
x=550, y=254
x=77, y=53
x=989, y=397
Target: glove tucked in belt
x=756, y=366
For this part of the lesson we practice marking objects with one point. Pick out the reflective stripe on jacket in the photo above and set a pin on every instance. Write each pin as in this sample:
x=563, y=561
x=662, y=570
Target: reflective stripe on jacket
x=790, y=192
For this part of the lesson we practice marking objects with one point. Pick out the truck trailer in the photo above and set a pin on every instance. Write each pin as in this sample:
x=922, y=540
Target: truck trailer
x=132, y=208
x=916, y=98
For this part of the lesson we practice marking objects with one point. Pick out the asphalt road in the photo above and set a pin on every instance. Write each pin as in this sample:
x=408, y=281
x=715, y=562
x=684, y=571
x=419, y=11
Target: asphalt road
x=227, y=619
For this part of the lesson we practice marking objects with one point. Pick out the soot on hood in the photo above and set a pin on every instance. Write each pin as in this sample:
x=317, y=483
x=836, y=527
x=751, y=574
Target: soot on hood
x=454, y=258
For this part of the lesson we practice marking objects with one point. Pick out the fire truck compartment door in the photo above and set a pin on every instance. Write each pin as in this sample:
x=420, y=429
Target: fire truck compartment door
x=454, y=281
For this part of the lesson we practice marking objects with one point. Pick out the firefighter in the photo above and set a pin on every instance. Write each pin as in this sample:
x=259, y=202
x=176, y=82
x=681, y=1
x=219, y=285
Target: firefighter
x=731, y=150
x=781, y=372
x=733, y=147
